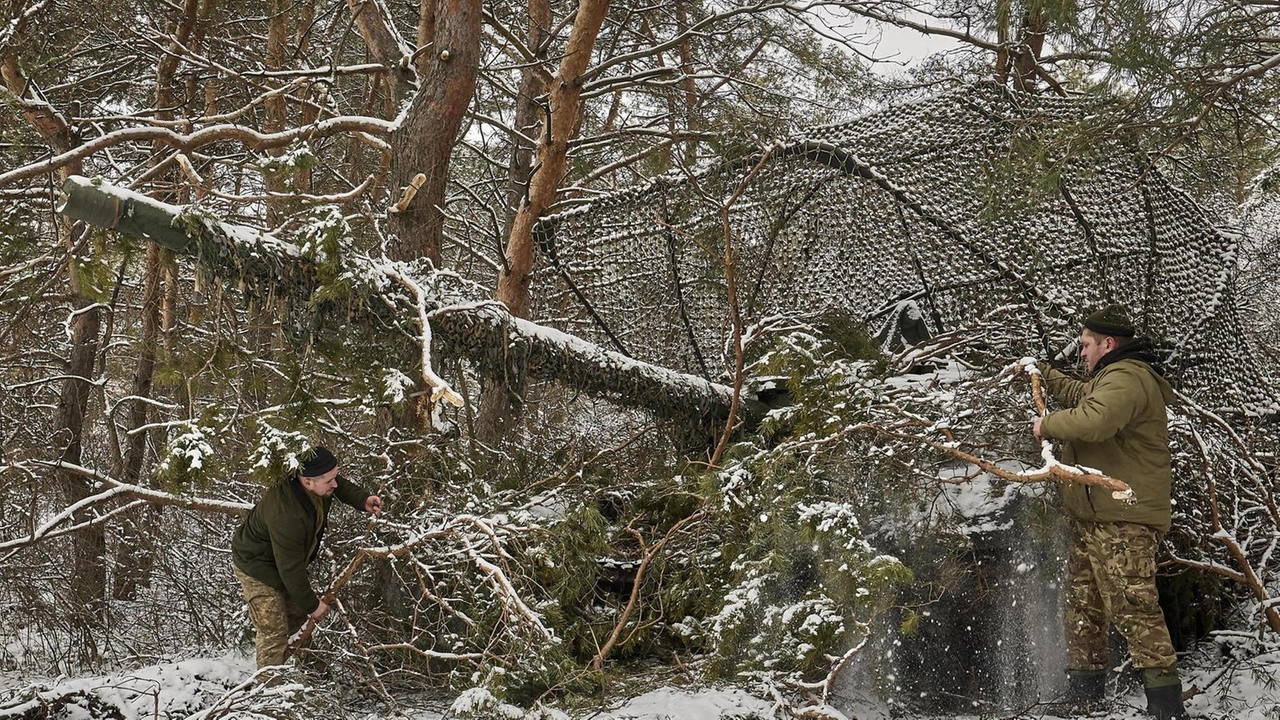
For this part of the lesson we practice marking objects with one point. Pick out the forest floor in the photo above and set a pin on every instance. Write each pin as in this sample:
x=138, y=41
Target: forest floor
x=1233, y=687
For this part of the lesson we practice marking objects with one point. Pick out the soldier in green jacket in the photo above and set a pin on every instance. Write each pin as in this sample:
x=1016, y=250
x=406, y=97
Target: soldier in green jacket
x=277, y=542
x=1115, y=422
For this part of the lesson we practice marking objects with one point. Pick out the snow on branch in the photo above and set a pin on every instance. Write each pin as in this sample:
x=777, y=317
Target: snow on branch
x=421, y=301
x=914, y=429
x=1052, y=468
x=65, y=521
x=1051, y=471
x=1249, y=574
x=444, y=307
x=250, y=137
x=471, y=533
x=150, y=495
x=51, y=529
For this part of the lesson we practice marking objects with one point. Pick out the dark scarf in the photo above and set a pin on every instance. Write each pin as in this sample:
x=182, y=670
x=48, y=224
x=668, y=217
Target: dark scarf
x=1140, y=349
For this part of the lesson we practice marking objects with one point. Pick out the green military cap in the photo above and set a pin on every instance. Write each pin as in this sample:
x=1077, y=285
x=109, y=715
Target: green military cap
x=1111, y=320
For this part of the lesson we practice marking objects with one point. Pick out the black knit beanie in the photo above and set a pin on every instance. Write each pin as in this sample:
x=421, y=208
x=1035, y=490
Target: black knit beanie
x=1111, y=320
x=316, y=462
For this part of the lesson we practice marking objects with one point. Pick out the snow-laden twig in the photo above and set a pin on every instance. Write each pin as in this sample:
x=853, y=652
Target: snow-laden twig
x=240, y=699
x=496, y=575
x=14, y=26
x=507, y=591
x=1247, y=575
x=331, y=199
x=440, y=388
x=827, y=685
x=50, y=528
x=433, y=654
x=1053, y=470
x=204, y=136
x=485, y=528
x=155, y=497
x=1052, y=467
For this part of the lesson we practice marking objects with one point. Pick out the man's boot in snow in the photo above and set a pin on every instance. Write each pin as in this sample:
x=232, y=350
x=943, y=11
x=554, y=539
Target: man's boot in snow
x=1086, y=690
x=1164, y=693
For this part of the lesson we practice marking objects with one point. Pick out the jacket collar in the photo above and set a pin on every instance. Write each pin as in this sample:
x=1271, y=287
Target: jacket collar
x=303, y=496
x=1140, y=350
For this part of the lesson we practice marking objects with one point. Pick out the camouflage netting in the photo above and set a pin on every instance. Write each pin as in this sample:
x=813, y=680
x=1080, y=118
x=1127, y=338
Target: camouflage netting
x=965, y=203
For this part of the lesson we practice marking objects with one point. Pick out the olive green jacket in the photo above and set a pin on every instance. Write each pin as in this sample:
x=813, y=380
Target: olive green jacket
x=281, y=535
x=1115, y=422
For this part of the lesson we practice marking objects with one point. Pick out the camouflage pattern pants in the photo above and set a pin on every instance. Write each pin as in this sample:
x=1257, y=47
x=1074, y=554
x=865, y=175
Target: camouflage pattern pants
x=275, y=618
x=1111, y=576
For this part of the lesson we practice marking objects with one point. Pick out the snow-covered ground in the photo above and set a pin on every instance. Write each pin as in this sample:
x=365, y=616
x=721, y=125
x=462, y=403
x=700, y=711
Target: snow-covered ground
x=223, y=687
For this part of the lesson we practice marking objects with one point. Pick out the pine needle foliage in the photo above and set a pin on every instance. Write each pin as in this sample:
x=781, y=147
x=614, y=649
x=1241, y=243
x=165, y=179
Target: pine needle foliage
x=803, y=582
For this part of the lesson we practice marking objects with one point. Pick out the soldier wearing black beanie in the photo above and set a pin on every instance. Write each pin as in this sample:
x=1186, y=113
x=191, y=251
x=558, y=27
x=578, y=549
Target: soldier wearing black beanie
x=277, y=542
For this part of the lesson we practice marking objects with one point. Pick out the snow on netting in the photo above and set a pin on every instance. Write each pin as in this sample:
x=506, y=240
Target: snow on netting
x=965, y=203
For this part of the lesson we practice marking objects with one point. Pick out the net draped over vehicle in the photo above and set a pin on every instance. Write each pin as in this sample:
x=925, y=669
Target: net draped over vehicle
x=963, y=202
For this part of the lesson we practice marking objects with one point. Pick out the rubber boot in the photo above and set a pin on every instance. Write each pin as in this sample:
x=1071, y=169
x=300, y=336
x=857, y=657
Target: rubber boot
x=1086, y=693
x=1086, y=690
x=1164, y=693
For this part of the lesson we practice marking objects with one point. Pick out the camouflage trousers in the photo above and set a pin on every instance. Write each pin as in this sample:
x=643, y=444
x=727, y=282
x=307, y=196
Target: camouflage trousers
x=275, y=618
x=1111, y=576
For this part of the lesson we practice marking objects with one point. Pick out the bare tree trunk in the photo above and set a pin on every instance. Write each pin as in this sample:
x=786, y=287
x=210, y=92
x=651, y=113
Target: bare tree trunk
x=1003, y=62
x=533, y=83
x=666, y=151
x=425, y=140
x=275, y=108
x=565, y=121
x=496, y=398
x=385, y=44
x=426, y=35
x=500, y=404
x=88, y=581
x=135, y=558
x=1026, y=64
x=691, y=98
x=210, y=89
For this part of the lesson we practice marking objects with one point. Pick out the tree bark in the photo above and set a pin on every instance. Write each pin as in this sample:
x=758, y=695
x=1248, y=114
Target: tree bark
x=385, y=45
x=690, y=87
x=1026, y=64
x=425, y=140
x=500, y=402
x=532, y=85
x=565, y=121
x=135, y=557
x=88, y=580
x=498, y=397
x=274, y=106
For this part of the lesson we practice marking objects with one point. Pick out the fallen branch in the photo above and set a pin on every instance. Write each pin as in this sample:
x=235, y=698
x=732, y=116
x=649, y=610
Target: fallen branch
x=827, y=685
x=1247, y=575
x=1052, y=470
x=649, y=554
x=53, y=527
x=439, y=387
x=303, y=637
x=497, y=577
x=152, y=496
x=49, y=529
